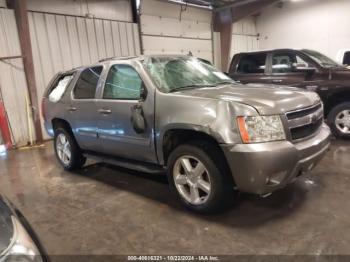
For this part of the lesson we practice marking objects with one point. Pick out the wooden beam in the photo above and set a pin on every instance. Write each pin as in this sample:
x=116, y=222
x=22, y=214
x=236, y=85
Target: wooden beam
x=225, y=17
x=223, y=25
x=20, y=9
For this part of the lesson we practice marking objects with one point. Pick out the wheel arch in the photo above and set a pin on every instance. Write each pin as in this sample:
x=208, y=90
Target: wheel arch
x=336, y=99
x=180, y=134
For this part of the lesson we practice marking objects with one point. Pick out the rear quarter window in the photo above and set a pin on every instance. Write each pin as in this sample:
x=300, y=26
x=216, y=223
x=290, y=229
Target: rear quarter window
x=85, y=87
x=60, y=87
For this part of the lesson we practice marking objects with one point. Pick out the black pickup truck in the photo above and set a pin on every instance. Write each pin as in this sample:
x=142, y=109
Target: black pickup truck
x=305, y=69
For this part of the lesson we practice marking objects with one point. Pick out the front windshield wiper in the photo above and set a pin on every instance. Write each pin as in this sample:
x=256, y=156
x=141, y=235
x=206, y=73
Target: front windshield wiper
x=176, y=89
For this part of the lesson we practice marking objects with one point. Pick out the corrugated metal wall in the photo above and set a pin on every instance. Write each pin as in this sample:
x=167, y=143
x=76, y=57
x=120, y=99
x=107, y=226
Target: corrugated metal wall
x=176, y=29
x=59, y=42
x=12, y=79
x=62, y=42
x=244, y=36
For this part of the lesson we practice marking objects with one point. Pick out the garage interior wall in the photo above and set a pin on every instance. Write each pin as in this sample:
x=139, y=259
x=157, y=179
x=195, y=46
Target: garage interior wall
x=321, y=25
x=13, y=85
x=176, y=29
x=68, y=40
x=244, y=36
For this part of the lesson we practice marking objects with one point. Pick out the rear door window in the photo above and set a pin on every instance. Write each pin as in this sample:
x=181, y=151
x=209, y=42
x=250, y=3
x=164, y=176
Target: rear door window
x=85, y=87
x=252, y=64
x=60, y=87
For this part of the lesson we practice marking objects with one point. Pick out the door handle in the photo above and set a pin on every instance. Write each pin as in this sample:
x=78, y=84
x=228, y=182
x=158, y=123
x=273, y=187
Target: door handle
x=105, y=111
x=277, y=80
x=72, y=109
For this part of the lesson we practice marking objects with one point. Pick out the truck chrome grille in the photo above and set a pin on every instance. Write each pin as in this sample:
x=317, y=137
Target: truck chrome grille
x=305, y=122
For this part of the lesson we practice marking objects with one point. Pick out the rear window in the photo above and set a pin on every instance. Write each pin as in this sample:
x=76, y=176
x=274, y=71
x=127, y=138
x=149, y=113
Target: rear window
x=346, y=60
x=252, y=64
x=85, y=87
x=59, y=88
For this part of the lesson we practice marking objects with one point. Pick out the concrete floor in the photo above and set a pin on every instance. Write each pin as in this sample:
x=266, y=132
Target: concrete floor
x=108, y=210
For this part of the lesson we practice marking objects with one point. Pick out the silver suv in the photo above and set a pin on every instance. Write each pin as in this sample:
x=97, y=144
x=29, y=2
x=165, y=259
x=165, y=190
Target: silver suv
x=183, y=116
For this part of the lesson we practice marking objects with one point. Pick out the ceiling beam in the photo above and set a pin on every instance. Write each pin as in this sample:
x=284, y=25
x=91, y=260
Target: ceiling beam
x=241, y=11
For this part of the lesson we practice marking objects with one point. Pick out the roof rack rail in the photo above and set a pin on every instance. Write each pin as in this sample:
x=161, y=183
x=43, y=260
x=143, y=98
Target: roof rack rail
x=116, y=57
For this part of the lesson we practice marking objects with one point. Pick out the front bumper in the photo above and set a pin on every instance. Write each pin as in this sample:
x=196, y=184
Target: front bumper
x=263, y=168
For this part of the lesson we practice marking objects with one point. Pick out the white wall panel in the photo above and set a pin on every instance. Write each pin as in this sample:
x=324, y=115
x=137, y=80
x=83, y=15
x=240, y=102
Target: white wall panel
x=184, y=28
x=107, y=9
x=12, y=79
x=157, y=45
x=63, y=42
x=321, y=25
x=172, y=10
x=244, y=36
x=176, y=29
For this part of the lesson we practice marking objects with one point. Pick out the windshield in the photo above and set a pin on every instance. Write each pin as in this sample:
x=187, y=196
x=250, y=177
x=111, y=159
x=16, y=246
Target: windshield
x=321, y=59
x=177, y=73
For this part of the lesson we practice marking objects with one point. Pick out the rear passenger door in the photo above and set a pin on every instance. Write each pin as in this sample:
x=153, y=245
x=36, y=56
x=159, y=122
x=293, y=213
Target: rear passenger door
x=251, y=68
x=81, y=111
x=119, y=101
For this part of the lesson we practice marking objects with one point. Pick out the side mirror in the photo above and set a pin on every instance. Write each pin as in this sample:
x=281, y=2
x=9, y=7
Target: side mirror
x=143, y=92
x=137, y=119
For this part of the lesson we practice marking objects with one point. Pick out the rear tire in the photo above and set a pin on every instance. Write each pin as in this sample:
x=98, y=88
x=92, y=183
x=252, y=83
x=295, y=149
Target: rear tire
x=339, y=120
x=67, y=150
x=209, y=193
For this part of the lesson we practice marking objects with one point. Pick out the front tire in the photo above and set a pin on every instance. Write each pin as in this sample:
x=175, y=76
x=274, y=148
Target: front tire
x=67, y=150
x=200, y=178
x=339, y=120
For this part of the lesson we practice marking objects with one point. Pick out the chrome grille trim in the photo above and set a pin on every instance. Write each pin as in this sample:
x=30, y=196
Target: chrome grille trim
x=305, y=117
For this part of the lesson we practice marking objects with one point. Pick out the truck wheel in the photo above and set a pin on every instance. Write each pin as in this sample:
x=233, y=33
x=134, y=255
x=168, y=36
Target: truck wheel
x=67, y=150
x=199, y=176
x=339, y=120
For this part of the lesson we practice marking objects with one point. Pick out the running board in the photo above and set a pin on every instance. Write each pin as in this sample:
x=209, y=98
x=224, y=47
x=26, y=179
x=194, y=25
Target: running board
x=129, y=164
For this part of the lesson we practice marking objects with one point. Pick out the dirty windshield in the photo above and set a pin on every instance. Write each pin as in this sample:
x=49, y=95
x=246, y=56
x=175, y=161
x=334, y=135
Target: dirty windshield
x=173, y=74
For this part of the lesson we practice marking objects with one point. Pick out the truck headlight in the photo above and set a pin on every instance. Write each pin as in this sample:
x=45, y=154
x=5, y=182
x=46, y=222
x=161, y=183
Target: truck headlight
x=22, y=248
x=257, y=129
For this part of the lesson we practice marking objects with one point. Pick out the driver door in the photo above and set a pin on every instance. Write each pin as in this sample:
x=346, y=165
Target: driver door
x=283, y=72
x=123, y=99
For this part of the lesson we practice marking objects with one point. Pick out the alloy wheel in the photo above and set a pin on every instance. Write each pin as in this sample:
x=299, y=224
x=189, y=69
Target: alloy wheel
x=192, y=180
x=63, y=149
x=342, y=121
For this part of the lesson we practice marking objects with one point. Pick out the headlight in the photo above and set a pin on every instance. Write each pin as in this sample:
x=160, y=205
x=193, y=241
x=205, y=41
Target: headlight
x=257, y=129
x=22, y=247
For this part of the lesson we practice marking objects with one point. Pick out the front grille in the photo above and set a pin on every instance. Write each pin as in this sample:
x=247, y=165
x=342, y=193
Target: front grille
x=303, y=112
x=305, y=122
x=305, y=131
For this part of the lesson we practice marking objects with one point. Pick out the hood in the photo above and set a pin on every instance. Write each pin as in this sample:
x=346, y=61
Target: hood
x=6, y=226
x=266, y=99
